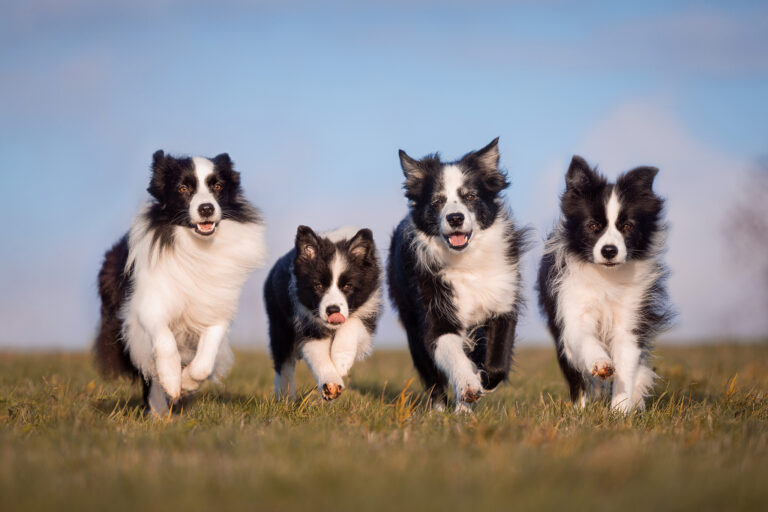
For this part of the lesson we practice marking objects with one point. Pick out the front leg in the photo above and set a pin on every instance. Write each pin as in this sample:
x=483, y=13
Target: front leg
x=317, y=354
x=500, y=336
x=451, y=359
x=201, y=366
x=583, y=349
x=167, y=361
x=626, y=355
x=344, y=346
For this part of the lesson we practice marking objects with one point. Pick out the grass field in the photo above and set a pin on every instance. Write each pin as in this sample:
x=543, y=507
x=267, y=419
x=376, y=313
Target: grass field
x=68, y=440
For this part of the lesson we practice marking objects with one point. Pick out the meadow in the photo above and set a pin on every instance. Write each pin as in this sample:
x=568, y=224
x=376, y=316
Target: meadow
x=69, y=440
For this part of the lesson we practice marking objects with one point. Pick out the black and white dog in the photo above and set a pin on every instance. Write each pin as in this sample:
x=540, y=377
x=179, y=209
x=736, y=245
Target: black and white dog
x=323, y=299
x=602, y=283
x=170, y=287
x=454, y=273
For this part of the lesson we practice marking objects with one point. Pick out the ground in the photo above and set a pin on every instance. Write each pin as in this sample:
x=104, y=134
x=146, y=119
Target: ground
x=69, y=440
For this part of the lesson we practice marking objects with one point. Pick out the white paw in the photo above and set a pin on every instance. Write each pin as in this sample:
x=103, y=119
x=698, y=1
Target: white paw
x=602, y=368
x=463, y=408
x=331, y=390
x=171, y=384
x=622, y=403
x=468, y=389
x=189, y=384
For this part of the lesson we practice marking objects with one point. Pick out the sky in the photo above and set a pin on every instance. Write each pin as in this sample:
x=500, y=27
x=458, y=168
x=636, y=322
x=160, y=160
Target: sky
x=312, y=102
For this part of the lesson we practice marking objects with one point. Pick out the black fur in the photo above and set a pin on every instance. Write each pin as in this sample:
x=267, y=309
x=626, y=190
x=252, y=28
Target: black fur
x=426, y=304
x=308, y=265
x=168, y=209
x=583, y=203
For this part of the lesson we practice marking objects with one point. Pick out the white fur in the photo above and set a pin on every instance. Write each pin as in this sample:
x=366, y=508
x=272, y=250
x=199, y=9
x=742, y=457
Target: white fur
x=597, y=308
x=453, y=362
x=331, y=359
x=453, y=182
x=612, y=235
x=184, y=298
x=203, y=169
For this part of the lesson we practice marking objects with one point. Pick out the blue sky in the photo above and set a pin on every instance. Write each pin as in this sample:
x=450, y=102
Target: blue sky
x=313, y=102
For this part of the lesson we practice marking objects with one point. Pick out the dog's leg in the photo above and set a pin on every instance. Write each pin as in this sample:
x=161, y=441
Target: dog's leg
x=345, y=344
x=498, y=354
x=167, y=360
x=317, y=354
x=451, y=360
x=582, y=348
x=157, y=401
x=643, y=383
x=201, y=366
x=626, y=355
x=285, y=385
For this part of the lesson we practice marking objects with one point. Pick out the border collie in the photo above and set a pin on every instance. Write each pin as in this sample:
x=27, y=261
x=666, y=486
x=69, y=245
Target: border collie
x=454, y=274
x=602, y=283
x=170, y=287
x=323, y=299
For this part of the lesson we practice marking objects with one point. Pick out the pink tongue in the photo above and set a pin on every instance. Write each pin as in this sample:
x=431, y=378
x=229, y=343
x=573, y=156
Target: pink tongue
x=458, y=240
x=206, y=226
x=336, y=318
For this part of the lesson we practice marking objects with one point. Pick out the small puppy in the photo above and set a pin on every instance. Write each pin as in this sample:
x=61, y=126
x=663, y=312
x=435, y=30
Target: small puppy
x=602, y=283
x=454, y=273
x=323, y=300
x=170, y=287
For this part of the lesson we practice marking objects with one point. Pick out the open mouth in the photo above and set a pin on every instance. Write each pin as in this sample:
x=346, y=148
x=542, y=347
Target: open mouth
x=458, y=240
x=205, y=228
x=336, y=319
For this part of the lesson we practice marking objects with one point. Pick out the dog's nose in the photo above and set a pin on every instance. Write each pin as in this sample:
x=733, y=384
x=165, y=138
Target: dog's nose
x=609, y=251
x=206, y=209
x=455, y=220
x=332, y=309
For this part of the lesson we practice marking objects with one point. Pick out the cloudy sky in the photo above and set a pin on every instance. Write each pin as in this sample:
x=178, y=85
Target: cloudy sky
x=312, y=101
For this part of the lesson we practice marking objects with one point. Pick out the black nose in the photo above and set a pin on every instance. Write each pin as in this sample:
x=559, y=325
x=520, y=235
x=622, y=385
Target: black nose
x=455, y=220
x=332, y=309
x=206, y=209
x=609, y=251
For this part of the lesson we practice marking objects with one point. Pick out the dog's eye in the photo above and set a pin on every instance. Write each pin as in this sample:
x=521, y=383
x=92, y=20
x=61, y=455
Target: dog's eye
x=627, y=227
x=438, y=201
x=318, y=286
x=183, y=189
x=347, y=287
x=471, y=196
x=593, y=227
x=217, y=186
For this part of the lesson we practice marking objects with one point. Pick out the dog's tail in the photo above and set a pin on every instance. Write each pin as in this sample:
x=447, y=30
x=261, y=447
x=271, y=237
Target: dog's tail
x=109, y=349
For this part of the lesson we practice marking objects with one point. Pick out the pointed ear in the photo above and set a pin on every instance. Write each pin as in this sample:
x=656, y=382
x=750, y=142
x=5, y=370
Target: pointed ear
x=223, y=163
x=488, y=157
x=361, y=245
x=640, y=178
x=307, y=244
x=579, y=174
x=157, y=182
x=414, y=175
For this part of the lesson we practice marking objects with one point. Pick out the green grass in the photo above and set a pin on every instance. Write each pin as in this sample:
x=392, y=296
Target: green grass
x=68, y=440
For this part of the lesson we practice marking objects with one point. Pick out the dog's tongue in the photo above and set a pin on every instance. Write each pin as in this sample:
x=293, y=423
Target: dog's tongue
x=336, y=318
x=458, y=239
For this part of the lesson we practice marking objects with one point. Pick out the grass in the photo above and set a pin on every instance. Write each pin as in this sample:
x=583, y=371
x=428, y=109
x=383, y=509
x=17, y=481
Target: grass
x=71, y=441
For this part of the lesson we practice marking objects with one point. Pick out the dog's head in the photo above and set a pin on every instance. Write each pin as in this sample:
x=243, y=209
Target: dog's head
x=195, y=192
x=453, y=200
x=335, y=278
x=606, y=223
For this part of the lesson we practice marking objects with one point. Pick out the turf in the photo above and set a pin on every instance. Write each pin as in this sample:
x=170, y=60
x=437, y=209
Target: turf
x=69, y=440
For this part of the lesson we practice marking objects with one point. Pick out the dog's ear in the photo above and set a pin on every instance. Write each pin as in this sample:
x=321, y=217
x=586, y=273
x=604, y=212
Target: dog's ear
x=414, y=173
x=307, y=244
x=361, y=245
x=486, y=162
x=579, y=175
x=639, y=178
x=224, y=164
x=159, y=170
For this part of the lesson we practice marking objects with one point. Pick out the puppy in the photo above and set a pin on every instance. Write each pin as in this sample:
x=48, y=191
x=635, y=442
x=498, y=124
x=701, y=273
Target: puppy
x=602, y=283
x=454, y=274
x=169, y=288
x=323, y=300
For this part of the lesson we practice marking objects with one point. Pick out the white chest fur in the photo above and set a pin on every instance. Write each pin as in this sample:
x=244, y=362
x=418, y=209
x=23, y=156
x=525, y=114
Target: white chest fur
x=484, y=282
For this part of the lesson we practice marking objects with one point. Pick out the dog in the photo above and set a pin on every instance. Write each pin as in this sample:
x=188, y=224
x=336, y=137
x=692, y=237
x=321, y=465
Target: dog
x=323, y=299
x=454, y=274
x=170, y=287
x=601, y=284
